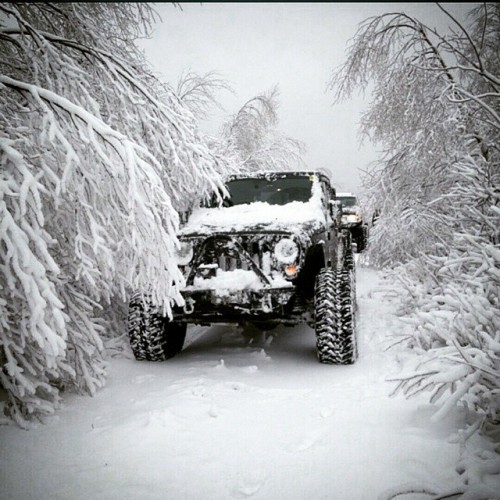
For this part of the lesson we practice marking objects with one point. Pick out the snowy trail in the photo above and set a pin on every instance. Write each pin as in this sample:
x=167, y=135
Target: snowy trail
x=236, y=417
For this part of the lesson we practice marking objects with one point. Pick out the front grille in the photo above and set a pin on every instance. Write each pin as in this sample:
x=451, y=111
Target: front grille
x=259, y=251
x=242, y=251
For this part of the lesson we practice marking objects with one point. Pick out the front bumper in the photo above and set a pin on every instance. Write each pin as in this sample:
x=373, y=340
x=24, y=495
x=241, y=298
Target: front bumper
x=221, y=306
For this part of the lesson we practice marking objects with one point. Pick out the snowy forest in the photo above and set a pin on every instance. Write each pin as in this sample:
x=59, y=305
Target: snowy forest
x=99, y=158
x=434, y=109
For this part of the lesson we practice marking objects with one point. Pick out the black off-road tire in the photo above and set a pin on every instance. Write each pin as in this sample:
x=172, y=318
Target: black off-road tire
x=348, y=307
x=334, y=317
x=152, y=336
x=360, y=237
x=348, y=262
x=350, y=267
x=360, y=240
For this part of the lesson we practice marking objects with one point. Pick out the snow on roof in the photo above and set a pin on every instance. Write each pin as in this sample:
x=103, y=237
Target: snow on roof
x=243, y=217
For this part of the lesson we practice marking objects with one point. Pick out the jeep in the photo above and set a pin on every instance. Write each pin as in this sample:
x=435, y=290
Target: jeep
x=269, y=250
x=352, y=219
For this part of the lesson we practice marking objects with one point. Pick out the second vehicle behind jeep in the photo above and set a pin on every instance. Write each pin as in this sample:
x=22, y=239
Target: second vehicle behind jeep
x=352, y=218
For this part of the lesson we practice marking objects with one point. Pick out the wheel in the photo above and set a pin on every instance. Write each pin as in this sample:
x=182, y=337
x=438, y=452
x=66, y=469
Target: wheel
x=334, y=317
x=347, y=251
x=360, y=238
x=347, y=310
x=360, y=243
x=349, y=267
x=152, y=336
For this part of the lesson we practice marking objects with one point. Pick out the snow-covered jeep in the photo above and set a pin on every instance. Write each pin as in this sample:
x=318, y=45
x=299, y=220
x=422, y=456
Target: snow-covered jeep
x=271, y=250
x=352, y=218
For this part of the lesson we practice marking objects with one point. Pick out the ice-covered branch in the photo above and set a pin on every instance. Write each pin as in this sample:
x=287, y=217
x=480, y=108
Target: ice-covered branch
x=198, y=92
x=251, y=134
x=96, y=157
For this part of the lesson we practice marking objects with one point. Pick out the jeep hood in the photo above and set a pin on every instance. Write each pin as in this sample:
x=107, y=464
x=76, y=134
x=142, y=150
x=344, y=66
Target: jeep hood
x=296, y=218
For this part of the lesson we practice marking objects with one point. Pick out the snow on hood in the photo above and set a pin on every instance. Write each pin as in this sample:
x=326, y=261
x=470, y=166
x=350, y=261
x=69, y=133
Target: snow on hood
x=293, y=217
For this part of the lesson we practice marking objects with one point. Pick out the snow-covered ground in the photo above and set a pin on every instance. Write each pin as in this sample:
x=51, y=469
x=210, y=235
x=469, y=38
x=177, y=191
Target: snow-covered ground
x=240, y=416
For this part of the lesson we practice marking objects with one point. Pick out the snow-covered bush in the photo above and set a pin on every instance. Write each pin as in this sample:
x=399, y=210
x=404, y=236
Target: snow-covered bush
x=96, y=155
x=435, y=111
x=453, y=301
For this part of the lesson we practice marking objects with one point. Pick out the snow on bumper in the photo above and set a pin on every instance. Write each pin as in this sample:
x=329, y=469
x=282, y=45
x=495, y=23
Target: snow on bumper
x=231, y=304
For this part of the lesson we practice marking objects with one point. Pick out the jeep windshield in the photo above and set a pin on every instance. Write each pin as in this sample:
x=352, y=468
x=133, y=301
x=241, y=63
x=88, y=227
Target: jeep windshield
x=278, y=191
x=348, y=201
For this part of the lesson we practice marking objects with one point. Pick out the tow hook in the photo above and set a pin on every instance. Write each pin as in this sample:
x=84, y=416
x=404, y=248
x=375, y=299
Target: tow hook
x=189, y=306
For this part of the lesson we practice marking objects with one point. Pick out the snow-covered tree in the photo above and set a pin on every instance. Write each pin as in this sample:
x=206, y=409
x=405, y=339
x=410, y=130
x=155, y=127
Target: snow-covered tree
x=251, y=133
x=249, y=140
x=435, y=110
x=96, y=155
x=200, y=92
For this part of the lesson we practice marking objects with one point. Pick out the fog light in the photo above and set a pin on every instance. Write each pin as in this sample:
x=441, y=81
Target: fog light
x=291, y=271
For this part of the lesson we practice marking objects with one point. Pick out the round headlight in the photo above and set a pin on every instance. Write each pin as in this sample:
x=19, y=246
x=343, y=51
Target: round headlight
x=184, y=253
x=286, y=251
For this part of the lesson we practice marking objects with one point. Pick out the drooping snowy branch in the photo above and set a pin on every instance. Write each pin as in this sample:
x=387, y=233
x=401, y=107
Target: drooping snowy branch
x=199, y=92
x=252, y=135
x=97, y=156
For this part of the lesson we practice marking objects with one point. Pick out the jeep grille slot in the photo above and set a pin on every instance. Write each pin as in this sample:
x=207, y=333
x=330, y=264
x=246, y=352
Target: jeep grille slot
x=227, y=263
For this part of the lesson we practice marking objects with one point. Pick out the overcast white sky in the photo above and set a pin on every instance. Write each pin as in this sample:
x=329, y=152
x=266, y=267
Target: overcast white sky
x=295, y=46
